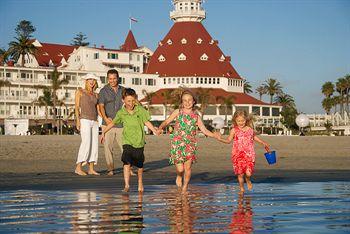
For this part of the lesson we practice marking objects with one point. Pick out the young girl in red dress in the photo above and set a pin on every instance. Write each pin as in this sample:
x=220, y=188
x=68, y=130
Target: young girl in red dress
x=243, y=154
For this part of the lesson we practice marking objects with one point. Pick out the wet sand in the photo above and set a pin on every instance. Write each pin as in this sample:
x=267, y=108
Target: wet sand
x=47, y=162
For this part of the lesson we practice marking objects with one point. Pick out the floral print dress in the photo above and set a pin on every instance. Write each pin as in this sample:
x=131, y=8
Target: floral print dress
x=183, y=139
x=243, y=154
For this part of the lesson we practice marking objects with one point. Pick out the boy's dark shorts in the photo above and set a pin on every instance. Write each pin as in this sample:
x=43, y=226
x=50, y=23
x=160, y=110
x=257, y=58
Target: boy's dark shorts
x=133, y=156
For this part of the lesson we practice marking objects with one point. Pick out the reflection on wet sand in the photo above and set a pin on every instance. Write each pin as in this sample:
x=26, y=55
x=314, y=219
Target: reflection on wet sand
x=182, y=215
x=242, y=216
x=107, y=213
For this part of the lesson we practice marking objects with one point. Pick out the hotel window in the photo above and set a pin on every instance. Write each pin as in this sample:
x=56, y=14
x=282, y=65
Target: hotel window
x=136, y=81
x=164, y=80
x=218, y=80
x=191, y=80
x=197, y=80
x=130, y=57
x=174, y=80
x=103, y=79
x=182, y=80
x=187, y=80
x=209, y=80
x=151, y=82
x=201, y=80
x=8, y=75
x=161, y=58
x=182, y=57
x=183, y=41
x=205, y=80
x=169, y=80
x=178, y=80
x=256, y=110
x=275, y=111
x=204, y=57
x=199, y=41
x=170, y=42
x=112, y=56
x=213, y=80
x=138, y=57
x=121, y=80
x=266, y=111
x=96, y=56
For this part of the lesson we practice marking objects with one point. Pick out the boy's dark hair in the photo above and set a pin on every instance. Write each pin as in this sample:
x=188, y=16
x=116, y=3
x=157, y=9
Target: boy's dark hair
x=129, y=92
x=113, y=71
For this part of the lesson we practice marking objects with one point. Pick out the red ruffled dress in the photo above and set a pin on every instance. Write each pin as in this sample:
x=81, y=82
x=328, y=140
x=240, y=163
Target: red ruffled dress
x=243, y=154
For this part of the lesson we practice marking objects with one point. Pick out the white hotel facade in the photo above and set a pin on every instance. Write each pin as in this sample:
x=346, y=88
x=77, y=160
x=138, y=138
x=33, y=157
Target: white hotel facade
x=139, y=68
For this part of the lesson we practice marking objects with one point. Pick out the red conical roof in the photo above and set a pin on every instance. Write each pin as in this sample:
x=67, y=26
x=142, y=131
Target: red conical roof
x=192, y=40
x=130, y=43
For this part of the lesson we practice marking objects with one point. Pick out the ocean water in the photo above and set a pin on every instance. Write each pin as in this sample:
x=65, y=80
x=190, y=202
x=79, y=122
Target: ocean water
x=310, y=207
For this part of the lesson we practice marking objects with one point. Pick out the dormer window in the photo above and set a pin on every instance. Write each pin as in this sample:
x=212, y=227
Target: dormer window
x=170, y=42
x=204, y=57
x=182, y=57
x=46, y=54
x=222, y=58
x=183, y=41
x=60, y=54
x=160, y=43
x=211, y=42
x=199, y=41
x=161, y=58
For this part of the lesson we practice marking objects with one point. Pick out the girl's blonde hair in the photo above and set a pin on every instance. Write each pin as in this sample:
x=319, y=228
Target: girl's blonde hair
x=188, y=92
x=248, y=118
x=87, y=87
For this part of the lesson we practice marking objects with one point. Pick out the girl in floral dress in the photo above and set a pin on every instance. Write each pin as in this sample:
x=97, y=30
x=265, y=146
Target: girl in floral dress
x=243, y=154
x=183, y=150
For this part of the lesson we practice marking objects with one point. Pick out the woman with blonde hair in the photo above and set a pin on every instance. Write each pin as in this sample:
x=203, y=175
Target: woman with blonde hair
x=86, y=112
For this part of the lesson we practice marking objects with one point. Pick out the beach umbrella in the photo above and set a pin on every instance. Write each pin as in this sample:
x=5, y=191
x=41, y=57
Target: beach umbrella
x=218, y=123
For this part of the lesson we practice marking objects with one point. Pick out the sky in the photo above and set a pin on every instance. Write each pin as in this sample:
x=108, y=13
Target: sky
x=301, y=43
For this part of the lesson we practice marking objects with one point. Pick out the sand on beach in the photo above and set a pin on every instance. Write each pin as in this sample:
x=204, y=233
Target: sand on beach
x=25, y=157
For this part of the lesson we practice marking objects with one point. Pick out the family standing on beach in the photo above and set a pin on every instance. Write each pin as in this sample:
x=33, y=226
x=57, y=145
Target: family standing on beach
x=124, y=119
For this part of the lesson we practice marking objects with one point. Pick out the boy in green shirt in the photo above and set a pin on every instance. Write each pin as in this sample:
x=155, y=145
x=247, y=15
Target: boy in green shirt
x=133, y=117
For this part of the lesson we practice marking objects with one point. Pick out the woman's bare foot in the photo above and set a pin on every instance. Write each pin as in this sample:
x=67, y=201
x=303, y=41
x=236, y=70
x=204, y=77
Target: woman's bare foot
x=80, y=172
x=179, y=181
x=249, y=185
x=93, y=173
x=110, y=173
x=126, y=189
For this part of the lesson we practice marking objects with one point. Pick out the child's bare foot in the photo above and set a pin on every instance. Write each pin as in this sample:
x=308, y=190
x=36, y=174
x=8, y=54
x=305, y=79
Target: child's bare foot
x=126, y=189
x=179, y=181
x=93, y=172
x=241, y=190
x=80, y=172
x=249, y=185
x=140, y=189
x=184, y=189
x=110, y=173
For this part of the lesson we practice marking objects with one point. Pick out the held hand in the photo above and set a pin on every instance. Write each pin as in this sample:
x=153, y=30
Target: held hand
x=102, y=140
x=156, y=132
x=160, y=131
x=108, y=121
x=217, y=135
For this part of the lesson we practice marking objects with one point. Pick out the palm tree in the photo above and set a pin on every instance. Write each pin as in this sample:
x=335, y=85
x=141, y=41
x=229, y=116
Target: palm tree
x=45, y=100
x=261, y=91
x=227, y=102
x=149, y=96
x=4, y=55
x=56, y=85
x=4, y=83
x=272, y=87
x=327, y=104
x=167, y=98
x=341, y=88
x=203, y=96
x=328, y=89
x=285, y=100
x=20, y=48
x=247, y=88
x=347, y=92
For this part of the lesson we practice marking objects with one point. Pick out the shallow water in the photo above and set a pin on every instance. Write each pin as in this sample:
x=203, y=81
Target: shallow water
x=311, y=207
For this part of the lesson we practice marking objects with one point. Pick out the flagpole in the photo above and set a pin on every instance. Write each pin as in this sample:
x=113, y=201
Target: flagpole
x=130, y=22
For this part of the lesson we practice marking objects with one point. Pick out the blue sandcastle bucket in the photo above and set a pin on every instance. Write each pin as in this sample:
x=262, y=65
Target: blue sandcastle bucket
x=271, y=157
